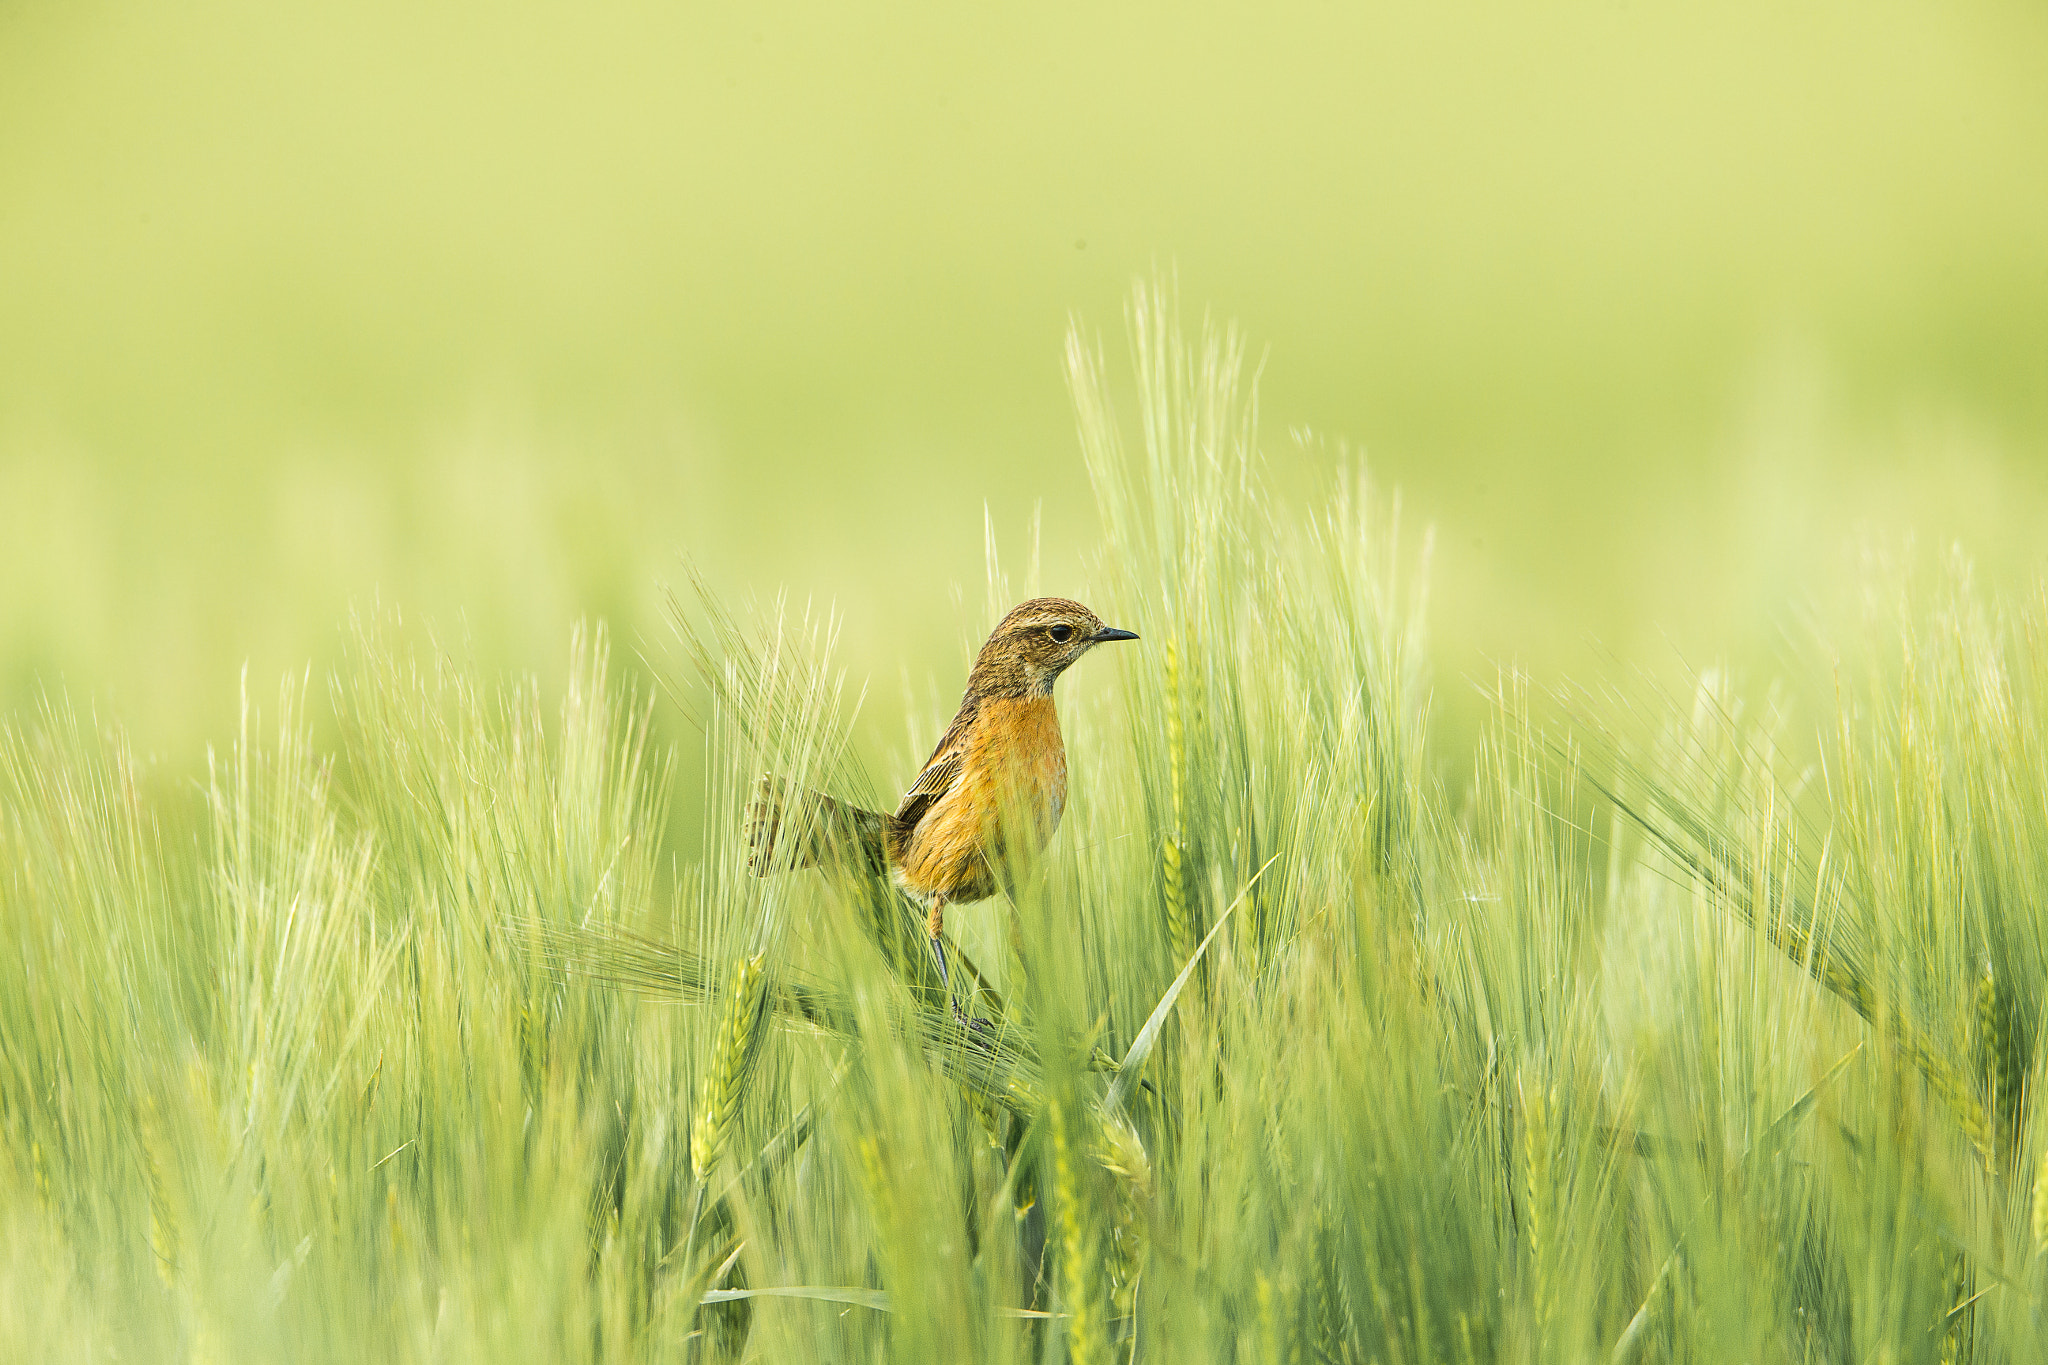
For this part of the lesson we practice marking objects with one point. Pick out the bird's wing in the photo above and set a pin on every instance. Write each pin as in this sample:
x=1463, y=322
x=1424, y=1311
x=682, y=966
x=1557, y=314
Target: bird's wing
x=941, y=771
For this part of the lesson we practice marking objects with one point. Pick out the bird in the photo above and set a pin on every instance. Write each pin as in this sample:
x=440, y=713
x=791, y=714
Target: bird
x=994, y=787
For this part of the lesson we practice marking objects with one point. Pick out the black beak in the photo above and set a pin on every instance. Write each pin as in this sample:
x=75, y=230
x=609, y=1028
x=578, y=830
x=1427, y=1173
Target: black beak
x=1106, y=634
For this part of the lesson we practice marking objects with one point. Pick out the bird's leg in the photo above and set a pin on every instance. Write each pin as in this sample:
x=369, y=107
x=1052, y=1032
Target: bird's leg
x=934, y=927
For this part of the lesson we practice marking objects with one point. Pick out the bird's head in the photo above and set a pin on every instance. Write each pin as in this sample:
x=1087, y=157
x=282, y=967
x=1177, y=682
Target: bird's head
x=1034, y=644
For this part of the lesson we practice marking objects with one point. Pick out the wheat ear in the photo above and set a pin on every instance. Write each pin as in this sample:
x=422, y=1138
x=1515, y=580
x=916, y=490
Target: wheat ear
x=1180, y=927
x=1080, y=1267
x=739, y=1035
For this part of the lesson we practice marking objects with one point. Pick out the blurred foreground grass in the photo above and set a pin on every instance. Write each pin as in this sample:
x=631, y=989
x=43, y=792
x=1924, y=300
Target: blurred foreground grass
x=413, y=1043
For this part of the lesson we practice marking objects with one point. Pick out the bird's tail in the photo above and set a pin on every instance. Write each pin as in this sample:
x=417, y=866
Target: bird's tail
x=789, y=827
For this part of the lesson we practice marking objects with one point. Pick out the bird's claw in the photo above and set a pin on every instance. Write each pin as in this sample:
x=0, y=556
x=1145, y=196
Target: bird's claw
x=980, y=1032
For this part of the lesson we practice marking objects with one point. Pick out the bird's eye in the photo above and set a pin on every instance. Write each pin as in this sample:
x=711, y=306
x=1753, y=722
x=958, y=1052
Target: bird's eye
x=1061, y=634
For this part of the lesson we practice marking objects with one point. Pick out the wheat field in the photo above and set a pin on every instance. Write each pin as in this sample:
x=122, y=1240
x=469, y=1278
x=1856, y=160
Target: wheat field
x=1667, y=1023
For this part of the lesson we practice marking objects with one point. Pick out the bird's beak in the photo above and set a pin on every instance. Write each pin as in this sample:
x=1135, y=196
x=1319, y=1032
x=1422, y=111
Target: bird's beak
x=1105, y=635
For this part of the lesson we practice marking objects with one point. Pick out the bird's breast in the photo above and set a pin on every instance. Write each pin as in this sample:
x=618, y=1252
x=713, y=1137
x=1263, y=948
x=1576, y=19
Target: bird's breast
x=1024, y=760
x=1012, y=787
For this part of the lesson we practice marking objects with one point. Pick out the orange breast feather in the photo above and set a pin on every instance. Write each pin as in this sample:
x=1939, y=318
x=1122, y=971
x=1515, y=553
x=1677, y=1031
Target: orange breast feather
x=1013, y=780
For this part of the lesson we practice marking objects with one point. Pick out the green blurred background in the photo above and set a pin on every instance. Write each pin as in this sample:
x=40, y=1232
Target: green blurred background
x=1656, y=313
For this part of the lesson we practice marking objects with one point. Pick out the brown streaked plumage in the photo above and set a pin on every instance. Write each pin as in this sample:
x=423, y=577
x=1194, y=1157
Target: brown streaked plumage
x=999, y=773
